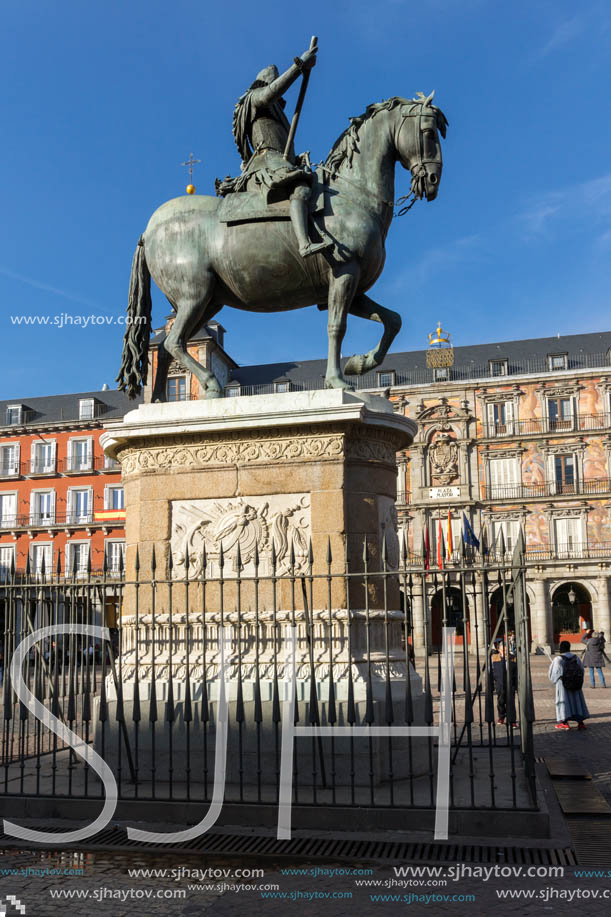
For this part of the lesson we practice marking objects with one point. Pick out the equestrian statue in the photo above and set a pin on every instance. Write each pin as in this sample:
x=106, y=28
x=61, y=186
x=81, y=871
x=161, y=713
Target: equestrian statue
x=283, y=234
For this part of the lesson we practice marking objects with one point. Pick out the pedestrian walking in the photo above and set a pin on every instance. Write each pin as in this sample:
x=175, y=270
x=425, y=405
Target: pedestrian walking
x=505, y=700
x=566, y=672
x=594, y=656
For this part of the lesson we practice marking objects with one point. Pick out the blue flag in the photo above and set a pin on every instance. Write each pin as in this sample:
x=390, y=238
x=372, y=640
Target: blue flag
x=468, y=534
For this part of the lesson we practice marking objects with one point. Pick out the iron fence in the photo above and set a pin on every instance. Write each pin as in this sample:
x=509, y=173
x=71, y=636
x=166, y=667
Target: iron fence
x=145, y=695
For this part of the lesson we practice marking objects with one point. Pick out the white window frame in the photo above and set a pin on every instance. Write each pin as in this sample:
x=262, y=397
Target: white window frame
x=493, y=427
x=551, y=459
x=71, y=516
x=12, y=468
x=282, y=387
x=14, y=407
x=81, y=569
x=37, y=444
x=108, y=490
x=8, y=520
x=232, y=390
x=441, y=374
x=72, y=463
x=554, y=356
x=560, y=423
x=504, y=363
x=109, y=545
x=86, y=408
x=386, y=372
x=564, y=548
x=511, y=531
x=38, y=518
x=34, y=549
x=7, y=559
x=496, y=490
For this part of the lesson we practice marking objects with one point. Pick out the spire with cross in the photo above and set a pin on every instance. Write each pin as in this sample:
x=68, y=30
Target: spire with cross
x=190, y=163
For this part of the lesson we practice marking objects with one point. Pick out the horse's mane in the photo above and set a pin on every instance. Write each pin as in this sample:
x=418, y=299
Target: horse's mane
x=345, y=146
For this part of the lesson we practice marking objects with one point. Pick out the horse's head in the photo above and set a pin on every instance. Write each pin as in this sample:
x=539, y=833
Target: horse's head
x=418, y=145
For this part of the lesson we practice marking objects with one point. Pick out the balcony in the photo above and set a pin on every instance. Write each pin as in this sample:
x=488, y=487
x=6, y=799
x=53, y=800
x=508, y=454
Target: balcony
x=36, y=468
x=106, y=464
x=55, y=520
x=578, y=423
x=593, y=487
x=10, y=470
x=75, y=465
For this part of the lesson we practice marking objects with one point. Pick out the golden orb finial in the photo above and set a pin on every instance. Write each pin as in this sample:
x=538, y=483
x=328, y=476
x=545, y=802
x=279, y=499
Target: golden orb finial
x=190, y=189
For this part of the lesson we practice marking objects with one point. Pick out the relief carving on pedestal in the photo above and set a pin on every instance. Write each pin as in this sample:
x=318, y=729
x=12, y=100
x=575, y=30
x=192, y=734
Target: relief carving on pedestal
x=276, y=521
x=443, y=456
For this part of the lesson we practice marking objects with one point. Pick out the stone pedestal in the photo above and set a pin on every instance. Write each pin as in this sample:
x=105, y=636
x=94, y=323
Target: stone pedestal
x=252, y=506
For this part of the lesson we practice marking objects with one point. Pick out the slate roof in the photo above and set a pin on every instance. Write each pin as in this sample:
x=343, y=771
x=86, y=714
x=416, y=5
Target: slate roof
x=61, y=408
x=470, y=362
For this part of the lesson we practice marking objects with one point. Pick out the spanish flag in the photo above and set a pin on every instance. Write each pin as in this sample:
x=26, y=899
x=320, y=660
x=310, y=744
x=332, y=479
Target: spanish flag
x=449, y=542
x=439, y=544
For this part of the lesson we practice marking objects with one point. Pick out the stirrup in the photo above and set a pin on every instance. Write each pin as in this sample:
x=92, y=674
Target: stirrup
x=312, y=247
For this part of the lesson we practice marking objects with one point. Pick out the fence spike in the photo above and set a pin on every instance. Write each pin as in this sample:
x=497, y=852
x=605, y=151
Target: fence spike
x=329, y=555
x=153, y=561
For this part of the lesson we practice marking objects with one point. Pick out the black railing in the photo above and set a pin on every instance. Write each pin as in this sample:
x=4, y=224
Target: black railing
x=148, y=699
x=537, y=425
x=546, y=489
x=51, y=519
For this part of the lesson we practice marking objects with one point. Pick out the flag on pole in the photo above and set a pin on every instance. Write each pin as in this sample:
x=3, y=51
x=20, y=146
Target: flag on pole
x=427, y=548
x=449, y=541
x=439, y=544
x=468, y=535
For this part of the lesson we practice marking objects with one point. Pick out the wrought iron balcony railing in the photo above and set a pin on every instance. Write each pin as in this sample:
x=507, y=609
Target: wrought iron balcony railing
x=546, y=489
x=577, y=422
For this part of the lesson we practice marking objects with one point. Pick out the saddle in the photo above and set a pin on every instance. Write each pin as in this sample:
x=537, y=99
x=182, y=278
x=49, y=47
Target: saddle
x=250, y=206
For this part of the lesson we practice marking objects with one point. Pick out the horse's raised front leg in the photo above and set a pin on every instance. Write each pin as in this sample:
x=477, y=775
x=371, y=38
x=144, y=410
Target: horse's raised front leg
x=341, y=292
x=365, y=307
x=190, y=316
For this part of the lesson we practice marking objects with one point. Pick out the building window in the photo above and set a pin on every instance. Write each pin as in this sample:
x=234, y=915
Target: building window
x=504, y=478
x=565, y=474
x=42, y=507
x=7, y=556
x=80, y=455
x=41, y=559
x=43, y=458
x=115, y=556
x=113, y=498
x=14, y=414
x=9, y=461
x=86, y=408
x=177, y=388
x=560, y=413
x=441, y=374
x=79, y=506
x=556, y=361
x=568, y=537
x=386, y=379
x=500, y=418
x=282, y=386
x=498, y=368
x=77, y=557
x=231, y=391
x=510, y=529
x=8, y=510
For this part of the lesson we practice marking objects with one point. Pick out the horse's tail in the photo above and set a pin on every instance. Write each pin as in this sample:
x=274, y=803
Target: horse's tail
x=134, y=364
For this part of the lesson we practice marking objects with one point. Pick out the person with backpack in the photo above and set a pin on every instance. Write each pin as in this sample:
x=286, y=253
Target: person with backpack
x=566, y=672
x=594, y=656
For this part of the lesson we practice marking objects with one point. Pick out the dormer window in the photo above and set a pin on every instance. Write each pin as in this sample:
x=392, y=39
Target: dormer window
x=283, y=386
x=441, y=374
x=498, y=368
x=232, y=391
x=557, y=361
x=14, y=415
x=386, y=379
x=86, y=408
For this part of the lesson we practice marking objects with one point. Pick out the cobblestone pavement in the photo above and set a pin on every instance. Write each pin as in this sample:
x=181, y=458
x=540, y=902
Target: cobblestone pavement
x=105, y=886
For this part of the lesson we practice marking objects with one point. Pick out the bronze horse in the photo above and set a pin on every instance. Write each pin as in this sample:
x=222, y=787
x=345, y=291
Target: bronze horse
x=202, y=264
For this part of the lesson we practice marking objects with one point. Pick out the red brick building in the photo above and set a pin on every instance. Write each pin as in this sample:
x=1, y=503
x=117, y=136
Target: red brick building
x=60, y=497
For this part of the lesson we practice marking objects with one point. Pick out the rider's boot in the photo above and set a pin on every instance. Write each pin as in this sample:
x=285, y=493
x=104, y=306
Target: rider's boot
x=299, y=219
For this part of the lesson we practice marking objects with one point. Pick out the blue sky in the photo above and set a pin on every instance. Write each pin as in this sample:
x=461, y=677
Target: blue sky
x=101, y=102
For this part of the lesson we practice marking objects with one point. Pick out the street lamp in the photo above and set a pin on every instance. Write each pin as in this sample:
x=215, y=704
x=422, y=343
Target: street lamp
x=572, y=596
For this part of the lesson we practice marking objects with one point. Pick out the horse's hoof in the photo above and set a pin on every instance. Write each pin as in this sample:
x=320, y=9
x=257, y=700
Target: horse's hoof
x=212, y=393
x=355, y=365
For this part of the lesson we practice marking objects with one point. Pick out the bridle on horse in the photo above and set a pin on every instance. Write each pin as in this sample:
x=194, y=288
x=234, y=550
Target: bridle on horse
x=417, y=188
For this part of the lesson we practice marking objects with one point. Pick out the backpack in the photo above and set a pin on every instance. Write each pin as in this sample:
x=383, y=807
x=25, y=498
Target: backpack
x=572, y=674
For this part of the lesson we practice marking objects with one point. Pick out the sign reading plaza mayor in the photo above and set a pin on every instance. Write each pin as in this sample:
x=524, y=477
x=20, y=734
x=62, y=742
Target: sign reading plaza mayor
x=444, y=493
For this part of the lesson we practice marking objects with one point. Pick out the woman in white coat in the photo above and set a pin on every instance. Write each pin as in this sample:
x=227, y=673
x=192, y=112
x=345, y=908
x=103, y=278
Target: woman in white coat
x=566, y=672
